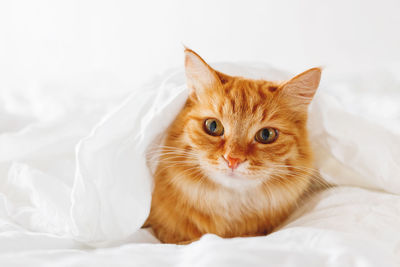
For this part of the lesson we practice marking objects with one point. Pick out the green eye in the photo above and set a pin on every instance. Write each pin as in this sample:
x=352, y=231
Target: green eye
x=213, y=127
x=266, y=135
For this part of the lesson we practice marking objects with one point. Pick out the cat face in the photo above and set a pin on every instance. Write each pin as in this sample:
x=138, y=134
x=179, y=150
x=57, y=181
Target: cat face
x=242, y=132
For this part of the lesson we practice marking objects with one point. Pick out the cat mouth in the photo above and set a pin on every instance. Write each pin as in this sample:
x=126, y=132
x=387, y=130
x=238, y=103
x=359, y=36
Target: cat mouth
x=230, y=174
x=232, y=179
x=235, y=179
x=233, y=174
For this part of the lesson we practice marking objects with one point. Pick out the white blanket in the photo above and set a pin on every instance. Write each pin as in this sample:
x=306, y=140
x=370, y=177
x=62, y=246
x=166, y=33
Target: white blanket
x=73, y=176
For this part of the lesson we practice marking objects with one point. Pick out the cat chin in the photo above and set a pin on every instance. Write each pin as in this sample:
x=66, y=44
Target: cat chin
x=233, y=180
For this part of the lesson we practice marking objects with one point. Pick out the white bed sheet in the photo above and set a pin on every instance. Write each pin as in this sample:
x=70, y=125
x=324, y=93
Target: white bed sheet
x=75, y=178
x=344, y=227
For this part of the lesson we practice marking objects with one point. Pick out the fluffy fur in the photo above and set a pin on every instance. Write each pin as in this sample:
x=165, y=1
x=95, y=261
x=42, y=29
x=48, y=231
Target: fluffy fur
x=195, y=190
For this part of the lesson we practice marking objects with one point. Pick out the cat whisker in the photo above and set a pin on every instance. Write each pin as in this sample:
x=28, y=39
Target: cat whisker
x=162, y=152
x=302, y=173
x=189, y=171
x=176, y=164
x=176, y=155
x=170, y=148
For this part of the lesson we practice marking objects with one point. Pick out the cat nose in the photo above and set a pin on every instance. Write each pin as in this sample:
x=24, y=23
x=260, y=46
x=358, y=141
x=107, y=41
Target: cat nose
x=233, y=163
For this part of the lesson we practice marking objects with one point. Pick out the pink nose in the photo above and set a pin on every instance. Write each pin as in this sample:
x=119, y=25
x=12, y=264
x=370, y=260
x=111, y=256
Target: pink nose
x=233, y=163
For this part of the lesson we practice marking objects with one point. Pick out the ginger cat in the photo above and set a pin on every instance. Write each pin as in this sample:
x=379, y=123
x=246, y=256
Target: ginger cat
x=237, y=159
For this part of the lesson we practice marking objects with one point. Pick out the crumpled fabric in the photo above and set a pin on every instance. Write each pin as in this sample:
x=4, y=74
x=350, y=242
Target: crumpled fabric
x=82, y=172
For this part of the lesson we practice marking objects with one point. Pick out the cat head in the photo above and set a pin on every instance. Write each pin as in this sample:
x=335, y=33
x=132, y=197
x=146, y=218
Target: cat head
x=240, y=131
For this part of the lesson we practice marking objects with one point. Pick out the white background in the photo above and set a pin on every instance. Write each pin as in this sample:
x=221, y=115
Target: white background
x=115, y=45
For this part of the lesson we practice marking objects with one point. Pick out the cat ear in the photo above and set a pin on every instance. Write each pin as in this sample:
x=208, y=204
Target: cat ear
x=303, y=86
x=199, y=75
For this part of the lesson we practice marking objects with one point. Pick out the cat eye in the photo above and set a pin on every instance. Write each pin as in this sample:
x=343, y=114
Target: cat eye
x=213, y=127
x=266, y=135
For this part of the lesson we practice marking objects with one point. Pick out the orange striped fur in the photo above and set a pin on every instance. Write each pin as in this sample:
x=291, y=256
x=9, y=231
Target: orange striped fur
x=195, y=190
